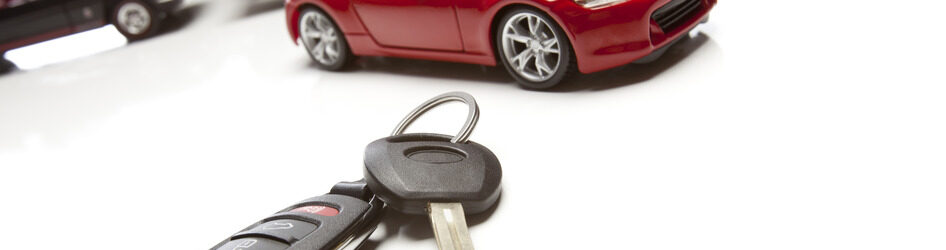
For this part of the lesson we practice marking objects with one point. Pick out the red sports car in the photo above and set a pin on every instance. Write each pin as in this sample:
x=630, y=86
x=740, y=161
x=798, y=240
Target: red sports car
x=540, y=42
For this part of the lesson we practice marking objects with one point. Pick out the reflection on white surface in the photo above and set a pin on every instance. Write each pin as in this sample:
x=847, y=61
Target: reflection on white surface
x=67, y=48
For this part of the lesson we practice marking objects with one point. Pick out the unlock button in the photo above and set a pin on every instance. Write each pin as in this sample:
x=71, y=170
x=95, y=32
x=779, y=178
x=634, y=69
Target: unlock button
x=288, y=231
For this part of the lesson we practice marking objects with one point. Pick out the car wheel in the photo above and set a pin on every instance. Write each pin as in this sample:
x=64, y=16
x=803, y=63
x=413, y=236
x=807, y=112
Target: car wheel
x=135, y=19
x=534, y=49
x=324, y=41
x=6, y=66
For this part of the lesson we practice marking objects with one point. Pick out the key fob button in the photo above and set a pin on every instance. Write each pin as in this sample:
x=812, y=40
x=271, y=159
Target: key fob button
x=317, y=223
x=316, y=209
x=253, y=244
x=289, y=231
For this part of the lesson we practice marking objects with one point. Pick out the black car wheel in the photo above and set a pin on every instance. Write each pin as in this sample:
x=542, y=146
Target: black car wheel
x=324, y=41
x=135, y=19
x=534, y=49
x=5, y=65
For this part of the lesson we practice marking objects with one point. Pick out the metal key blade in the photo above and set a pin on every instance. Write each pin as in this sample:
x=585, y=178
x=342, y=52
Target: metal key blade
x=450, y=226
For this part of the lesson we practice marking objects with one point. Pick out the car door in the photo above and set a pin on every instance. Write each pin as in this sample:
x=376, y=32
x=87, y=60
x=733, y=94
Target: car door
x=31, y=22
x=415, y=24
x=86, y=14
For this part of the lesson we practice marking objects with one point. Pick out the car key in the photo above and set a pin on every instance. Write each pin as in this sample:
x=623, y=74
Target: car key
x=435, y=175
x=341, y=219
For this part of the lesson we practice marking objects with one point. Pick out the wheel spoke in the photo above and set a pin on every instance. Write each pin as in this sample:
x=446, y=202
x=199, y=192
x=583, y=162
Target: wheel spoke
x=319, y=50
x=312, y=34
x=519, y=38
x=331, y=50
x=522, y=59
x=310, y=22
x=541, y=65
x=549, y=43
x=538, y=69
x=533, y=24
x=319, y=22
x=330, y=35
x=550, y=46
x=539, y=26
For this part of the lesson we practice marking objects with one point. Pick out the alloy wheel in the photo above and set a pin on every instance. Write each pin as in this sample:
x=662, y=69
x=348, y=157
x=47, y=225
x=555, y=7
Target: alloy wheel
x=134, y=18
x=531, y=47
x=320, y=37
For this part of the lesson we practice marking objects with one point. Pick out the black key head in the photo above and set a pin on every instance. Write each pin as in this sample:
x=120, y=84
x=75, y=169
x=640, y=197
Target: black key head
x=410, y=170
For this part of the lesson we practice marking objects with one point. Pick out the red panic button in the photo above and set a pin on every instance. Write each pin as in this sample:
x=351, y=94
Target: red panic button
x=320, y=210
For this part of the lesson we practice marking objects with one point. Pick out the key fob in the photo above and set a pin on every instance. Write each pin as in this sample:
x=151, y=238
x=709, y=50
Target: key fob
x=319, y=223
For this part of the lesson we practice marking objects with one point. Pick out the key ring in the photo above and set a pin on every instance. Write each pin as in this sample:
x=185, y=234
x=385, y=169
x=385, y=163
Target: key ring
x=465, y=131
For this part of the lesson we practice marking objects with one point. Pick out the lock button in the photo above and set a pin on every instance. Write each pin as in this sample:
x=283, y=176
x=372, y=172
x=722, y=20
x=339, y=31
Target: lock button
x=286, y=230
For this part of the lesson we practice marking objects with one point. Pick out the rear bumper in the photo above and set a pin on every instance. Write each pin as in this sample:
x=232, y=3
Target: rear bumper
x=611, y=36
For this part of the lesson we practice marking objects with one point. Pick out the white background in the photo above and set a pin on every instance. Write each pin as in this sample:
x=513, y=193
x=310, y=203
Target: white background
x=778, y=125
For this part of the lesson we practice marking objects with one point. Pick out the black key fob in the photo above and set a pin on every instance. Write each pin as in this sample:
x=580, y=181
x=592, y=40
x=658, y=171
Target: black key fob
x=409, y=171
x=330, y=221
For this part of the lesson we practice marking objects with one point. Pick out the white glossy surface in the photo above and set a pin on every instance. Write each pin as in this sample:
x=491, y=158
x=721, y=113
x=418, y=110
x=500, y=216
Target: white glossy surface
x=767, y=130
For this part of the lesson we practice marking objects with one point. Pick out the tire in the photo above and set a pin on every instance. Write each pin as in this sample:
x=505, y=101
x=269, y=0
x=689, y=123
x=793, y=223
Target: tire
x=135, y=19
x=323, y=40
x=6, y=66
x=528, y=42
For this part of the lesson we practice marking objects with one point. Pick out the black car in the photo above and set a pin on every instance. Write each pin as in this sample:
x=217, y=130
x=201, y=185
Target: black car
x=25, y=22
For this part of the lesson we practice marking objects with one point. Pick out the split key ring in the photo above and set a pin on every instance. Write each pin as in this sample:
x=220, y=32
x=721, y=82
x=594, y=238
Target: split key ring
x=472, y=117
